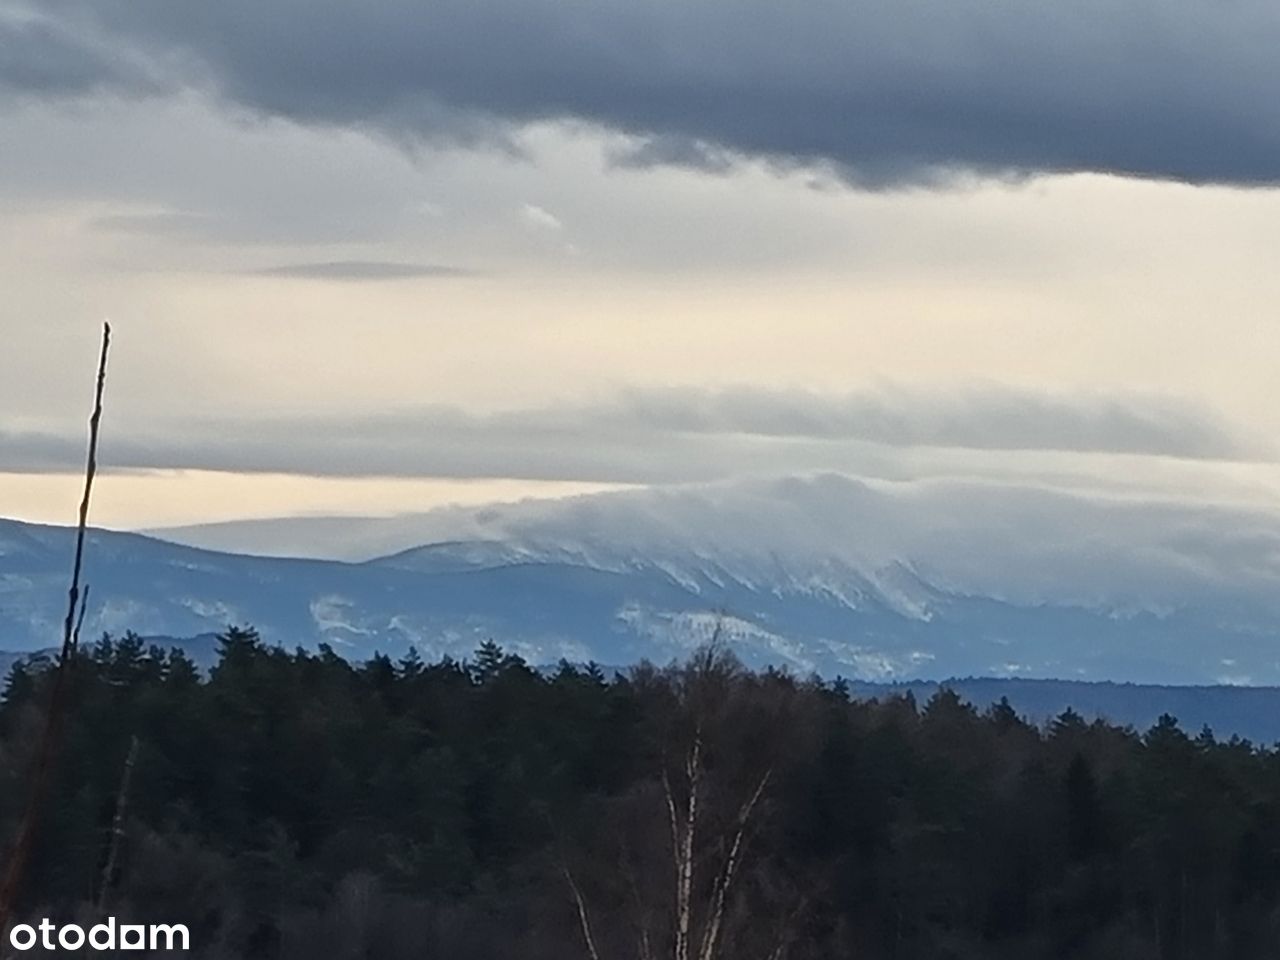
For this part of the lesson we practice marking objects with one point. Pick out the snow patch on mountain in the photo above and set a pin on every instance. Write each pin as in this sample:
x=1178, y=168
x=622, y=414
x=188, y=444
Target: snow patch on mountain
x=677, y=633
x=868, y=578
x=862, y=663
x=217, y=612
x=905, y=545
x=334, y=617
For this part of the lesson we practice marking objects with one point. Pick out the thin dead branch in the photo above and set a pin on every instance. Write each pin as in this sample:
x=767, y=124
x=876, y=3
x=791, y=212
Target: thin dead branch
x=117, y=825
x=69, y=634
x=720, y=894
x=584, y=918
x=644, y=944
x=84, y=602
x=42, y=773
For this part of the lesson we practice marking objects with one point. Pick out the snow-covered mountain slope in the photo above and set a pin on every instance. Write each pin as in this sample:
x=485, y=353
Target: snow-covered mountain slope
x=868, y=579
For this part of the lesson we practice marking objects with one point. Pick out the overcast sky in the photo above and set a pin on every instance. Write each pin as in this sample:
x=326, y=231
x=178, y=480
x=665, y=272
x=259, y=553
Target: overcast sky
x=373, y=257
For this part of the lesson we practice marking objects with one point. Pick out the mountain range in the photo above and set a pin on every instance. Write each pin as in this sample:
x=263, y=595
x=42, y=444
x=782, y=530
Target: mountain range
x=876, y=581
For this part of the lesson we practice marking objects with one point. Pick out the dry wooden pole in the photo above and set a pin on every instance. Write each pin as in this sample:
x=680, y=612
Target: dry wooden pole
x=46, y=751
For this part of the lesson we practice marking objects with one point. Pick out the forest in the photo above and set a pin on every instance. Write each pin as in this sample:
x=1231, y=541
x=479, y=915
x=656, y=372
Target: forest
x=294, y=805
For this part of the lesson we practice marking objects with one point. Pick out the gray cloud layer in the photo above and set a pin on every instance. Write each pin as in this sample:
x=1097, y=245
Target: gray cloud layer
x=47, y=57
x=659, y=436
x=885, y=92
x=361, y=270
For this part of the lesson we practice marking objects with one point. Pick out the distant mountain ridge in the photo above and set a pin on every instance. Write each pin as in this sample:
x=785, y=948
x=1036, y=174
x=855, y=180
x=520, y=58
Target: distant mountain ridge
x=827, y=574
x=1252, y=713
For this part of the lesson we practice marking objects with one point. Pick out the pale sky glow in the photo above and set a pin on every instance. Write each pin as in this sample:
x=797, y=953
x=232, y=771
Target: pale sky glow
x=265, y=263
x=139, y=500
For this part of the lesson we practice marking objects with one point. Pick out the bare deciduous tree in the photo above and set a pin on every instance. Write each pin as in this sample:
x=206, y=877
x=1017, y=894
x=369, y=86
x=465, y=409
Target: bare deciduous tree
x=715, y=769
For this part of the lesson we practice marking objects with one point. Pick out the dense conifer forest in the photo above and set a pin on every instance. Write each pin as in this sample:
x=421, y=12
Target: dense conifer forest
x=294, y=805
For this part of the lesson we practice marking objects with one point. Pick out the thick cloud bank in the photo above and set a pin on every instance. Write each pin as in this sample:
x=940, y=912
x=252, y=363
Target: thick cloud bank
x=660, y=436
x=886, y=93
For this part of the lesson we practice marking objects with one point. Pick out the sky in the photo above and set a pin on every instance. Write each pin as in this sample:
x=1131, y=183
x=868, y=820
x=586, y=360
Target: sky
x=375, y=257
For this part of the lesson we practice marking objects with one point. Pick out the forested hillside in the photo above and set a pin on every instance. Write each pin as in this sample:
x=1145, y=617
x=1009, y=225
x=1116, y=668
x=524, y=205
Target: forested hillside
x=297, y=806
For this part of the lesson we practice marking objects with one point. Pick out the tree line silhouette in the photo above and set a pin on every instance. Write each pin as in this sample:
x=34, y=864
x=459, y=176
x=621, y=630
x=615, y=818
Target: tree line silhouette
x=294, y=805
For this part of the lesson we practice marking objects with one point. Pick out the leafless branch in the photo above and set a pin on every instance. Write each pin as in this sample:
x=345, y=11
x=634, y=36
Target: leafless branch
x=645, y=944
x=724, y=882
x=75, y=634
x=584, y=918
x=786, y=930
x=684, y=854
x=117, y=824
x=90, y=472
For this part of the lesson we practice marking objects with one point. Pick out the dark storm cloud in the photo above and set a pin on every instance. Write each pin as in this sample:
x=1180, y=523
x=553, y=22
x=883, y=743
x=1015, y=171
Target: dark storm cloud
x=44, y=57
x=884, y=93
x=660, y=436
x=669, y=151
